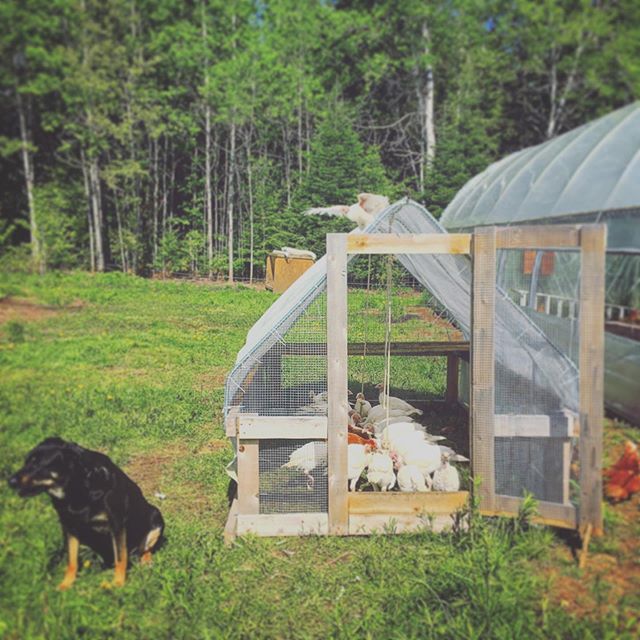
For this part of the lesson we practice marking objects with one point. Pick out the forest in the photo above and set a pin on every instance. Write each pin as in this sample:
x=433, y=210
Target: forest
x=170, y=137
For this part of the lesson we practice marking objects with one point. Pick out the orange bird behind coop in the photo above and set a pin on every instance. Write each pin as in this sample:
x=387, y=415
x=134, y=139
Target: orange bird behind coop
x=623, y=478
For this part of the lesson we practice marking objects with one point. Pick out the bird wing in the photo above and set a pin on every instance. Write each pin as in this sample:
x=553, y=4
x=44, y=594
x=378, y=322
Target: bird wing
x=336, y=210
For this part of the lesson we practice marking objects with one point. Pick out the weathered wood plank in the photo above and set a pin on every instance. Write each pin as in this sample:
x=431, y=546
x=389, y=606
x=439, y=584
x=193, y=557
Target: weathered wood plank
x=338, y=409
x=557, y=236
x=591, y=362
x=384, y=243
x=289, y=427
x=453, y=373
x=248, y=477
x=460, y=349
x=231, y=422
x=482, y=363
x=398, y=503
x=549, y=513
x=364, y=525
x=230, y=528
x=284, y=524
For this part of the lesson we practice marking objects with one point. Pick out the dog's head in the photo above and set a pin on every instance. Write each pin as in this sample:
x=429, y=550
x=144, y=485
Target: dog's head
x=45, y=469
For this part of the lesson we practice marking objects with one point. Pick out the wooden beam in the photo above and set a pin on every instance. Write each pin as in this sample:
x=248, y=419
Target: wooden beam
x=482, y=363
x=451, y=394
x=230, y=529
x=287, y=427
x=557, y=236
x=398, y=503
x=591, y=363
x=385, y=243
x=231, y=422
x=460, y=349
x=284, y=524
x=248, y=477
x=549, y=513
x=363, y=525
x=338, y=410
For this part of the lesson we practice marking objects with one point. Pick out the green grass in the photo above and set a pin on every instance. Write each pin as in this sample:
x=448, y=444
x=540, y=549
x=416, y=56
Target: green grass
x=135, y=368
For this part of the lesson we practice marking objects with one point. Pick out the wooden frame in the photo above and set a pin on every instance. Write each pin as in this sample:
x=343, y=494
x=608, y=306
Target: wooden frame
x=363, y=513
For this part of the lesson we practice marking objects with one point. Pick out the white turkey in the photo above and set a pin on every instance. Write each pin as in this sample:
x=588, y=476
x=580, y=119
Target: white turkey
x=411, y=479
x=379, y=413
x=446, y=477
x=362, y=212
x=358, y=456
x=396, y=404
x=380, y=471
x=306, y=458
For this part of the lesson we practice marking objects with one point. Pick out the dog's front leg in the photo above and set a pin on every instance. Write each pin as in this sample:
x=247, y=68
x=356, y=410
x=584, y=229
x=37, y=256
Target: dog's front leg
x=72, y=563
x=120, y=558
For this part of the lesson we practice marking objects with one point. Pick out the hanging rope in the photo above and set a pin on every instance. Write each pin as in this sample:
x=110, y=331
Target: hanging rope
x=387, y=341
x=363, y=368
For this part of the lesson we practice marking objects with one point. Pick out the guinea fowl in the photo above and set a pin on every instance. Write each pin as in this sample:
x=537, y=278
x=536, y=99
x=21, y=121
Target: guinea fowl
x=306, y=458
x=362, y=406
x=362, y=212
x=396, y=404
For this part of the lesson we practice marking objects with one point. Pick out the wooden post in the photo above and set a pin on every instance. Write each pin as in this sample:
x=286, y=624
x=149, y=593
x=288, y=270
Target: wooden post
x=248, y=477
x=592, y=287
x=451, y=396
x=338, y=410
x=482, y=363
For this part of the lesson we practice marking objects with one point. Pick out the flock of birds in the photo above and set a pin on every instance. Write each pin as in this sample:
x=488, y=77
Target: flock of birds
x=387, y=443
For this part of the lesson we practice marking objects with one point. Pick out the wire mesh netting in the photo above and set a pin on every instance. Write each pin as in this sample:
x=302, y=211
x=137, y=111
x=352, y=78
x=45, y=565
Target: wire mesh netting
x=539, y=464
x=293, y=476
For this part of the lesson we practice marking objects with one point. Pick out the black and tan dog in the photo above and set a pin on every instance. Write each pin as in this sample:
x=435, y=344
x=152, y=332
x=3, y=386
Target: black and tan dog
x=97, y=503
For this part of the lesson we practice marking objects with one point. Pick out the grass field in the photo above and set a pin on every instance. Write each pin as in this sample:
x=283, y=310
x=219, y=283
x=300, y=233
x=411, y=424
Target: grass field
x=135, y=368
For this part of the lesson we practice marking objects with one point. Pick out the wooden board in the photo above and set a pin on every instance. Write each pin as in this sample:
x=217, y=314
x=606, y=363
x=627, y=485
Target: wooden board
x=557, y=236
x=385, y=243
x=284, y=524
x=248, y=477
x=338, y=410
x=402, y=523
x=230, y=529
x=549, y=513
x=399, y=503
x=482, y=363
x=460, y=349
x=288, y=427
x=591, y=362
x=453, y=375
x=231, y=422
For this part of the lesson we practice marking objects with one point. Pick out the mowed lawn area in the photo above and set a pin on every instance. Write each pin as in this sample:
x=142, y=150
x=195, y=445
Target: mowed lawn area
x=135, y=368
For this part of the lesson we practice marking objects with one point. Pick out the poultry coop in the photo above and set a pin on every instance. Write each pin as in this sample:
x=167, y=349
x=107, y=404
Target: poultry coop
x=408, y=305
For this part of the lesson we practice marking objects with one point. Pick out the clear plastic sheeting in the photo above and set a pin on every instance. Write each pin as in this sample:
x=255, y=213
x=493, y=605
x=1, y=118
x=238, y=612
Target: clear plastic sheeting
x=281, y=370
x=588, y=175
x=590, y=170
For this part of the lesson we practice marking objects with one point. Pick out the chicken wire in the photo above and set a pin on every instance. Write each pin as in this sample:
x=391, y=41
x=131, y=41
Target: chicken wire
x=282, y=369
x=539, y=465
x=286, y=490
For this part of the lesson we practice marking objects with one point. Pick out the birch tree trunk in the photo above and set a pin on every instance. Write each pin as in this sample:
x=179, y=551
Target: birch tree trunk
x=251, y=230
x=29, y=178
x=208, y=205
x=96, y=206
x=230, y=196
x=87, y=193
x=426, y=100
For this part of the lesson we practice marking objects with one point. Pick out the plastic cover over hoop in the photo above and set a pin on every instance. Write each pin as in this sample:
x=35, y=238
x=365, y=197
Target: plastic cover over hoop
x=521, y=348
